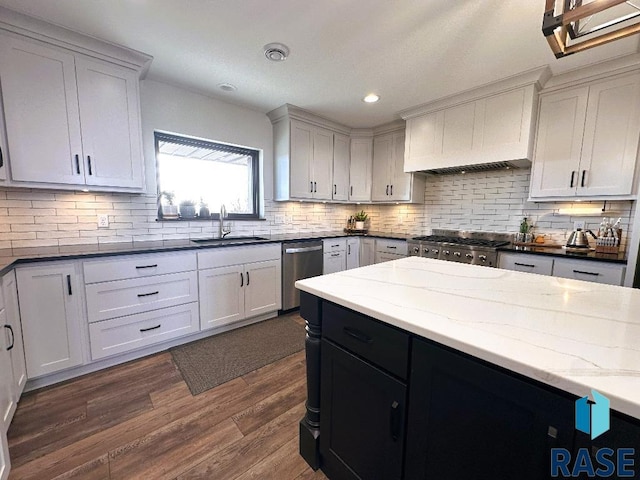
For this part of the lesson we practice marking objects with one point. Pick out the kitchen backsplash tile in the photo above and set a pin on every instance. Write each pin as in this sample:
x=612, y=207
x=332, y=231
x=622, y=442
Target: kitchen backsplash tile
x=485, y=201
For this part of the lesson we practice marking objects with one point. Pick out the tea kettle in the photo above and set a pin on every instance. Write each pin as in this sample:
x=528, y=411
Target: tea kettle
x=578, y=238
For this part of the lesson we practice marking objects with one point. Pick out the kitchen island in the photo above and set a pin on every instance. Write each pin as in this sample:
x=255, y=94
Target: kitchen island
x=419, y=368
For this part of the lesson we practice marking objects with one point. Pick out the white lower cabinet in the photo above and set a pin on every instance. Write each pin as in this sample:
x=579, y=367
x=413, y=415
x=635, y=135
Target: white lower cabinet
x=5, y=465
x=353, y=253
x=334, y=255
x=521, y=262
x=387, y=250
x=367, y=251
x=140, y=300
x=232, y=290
x=51, y=313
x=120, y=335
x=17, y=374
x=591, y=271
x=577, y=269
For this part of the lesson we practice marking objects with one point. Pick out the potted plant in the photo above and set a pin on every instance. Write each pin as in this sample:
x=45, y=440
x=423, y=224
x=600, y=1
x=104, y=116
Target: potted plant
x=188, y=209
x=168, y=210
x=203, y=212
x=360, y=218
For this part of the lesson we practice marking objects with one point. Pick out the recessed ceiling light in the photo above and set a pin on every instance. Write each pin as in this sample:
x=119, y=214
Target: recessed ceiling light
x=276, y=52
x=371, y=98
x=227, y=87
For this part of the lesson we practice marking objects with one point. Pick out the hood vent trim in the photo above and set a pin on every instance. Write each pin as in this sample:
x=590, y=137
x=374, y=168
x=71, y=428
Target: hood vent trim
x=482, y=167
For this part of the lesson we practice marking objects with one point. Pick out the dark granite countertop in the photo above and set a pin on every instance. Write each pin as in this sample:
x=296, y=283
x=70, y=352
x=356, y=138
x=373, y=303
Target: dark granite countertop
x=562, y=253
x=16, y=256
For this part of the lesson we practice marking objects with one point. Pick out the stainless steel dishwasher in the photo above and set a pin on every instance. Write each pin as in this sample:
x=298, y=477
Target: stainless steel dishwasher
x=300, y=259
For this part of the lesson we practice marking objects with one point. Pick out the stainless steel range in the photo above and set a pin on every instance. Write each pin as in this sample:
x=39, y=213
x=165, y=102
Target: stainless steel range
x=476, y=248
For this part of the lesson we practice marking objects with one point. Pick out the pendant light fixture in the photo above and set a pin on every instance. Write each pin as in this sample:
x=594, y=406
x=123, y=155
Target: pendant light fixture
x=572, y=26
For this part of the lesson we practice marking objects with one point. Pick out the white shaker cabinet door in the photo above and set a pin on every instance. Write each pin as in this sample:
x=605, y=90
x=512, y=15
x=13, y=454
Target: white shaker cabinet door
x=5, y=465
x=341, y=155
x=556, y=164
x=382, y=154
x=353, y=253
x=301, y=157
x=110, y=124
x=322, y=166
x=18, y=365
x=360, y=169
x=221, y=296
x=51, y=314
x=610, y=145
x=7, y=404
x=41, y=112
x=400, y=181
x=262, y=288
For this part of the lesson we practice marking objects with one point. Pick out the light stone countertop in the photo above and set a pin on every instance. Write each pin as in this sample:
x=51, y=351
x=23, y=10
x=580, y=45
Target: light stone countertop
x=570, y=334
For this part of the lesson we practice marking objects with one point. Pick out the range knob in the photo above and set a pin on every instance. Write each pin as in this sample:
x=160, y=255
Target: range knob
x=435, y=252
x=456, y=254
x=446, y=252
x=469, y=256
x=425, y=250
x=483, y=258
x=416, y=250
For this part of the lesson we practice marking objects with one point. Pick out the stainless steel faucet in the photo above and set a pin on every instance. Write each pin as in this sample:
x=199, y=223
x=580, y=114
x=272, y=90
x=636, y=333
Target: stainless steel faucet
x=223, y=214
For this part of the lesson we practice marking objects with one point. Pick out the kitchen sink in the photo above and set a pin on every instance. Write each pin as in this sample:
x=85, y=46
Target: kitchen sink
x=227, y=240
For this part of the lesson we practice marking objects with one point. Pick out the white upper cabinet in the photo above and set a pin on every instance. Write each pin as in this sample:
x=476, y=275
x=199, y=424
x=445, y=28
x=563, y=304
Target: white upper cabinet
x=41, y=112
x=587, y=141
x=493, y=123
x=341, y=157
x=71, y=120
x=311, y=160
x=360, y=169
x=109, y=111
x=390, y=182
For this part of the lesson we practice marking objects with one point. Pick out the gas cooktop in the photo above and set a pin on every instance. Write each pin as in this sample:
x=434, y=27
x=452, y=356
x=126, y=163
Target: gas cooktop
x=462, y=241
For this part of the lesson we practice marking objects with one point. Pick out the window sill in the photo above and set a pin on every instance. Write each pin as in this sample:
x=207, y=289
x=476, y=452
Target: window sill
x=212, y=219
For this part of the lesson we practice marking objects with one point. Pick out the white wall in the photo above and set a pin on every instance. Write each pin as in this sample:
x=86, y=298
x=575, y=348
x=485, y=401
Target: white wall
x=175, y=110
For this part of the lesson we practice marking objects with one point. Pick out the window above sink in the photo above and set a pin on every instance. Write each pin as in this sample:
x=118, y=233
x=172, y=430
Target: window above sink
x=205, y=175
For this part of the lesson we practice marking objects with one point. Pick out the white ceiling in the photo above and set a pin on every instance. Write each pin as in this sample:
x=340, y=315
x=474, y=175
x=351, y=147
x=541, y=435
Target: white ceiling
x=408, y=51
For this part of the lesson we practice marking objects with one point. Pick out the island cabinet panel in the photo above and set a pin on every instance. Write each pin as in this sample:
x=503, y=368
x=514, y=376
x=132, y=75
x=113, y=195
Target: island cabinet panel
x=470, y=420
x=362, y=419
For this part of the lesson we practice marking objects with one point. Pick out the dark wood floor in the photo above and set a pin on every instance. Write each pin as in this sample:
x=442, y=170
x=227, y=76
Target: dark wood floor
x=139, y=421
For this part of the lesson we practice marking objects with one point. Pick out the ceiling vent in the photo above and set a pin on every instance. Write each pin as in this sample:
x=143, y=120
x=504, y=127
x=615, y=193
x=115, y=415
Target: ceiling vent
x=276, y=52
x=483, y=167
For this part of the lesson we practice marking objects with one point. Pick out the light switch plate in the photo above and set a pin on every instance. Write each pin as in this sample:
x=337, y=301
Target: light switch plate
x=103, y=221
x=578, y=224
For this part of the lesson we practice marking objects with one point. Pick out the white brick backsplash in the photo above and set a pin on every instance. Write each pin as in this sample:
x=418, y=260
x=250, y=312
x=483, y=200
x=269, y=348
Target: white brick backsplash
x=486, y=201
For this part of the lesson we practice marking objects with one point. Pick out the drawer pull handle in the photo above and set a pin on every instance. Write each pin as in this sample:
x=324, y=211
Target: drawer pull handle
x=335, y=254
x=573, y=174
x=336, y=245
x=394, y=421
x=69, y=285
x=150, y=328
x=147, y=266
x=77, y=164
x=248, y=279
x=595, y=274
x=89, y=163
x=362, y=337
x=584, y=172
x=148, y=294
x=241, y=280
x=524, y=265
x=13, y=338
x=392, y=247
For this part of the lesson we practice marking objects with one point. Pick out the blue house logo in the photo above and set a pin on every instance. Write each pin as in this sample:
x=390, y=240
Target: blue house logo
x=592, y=417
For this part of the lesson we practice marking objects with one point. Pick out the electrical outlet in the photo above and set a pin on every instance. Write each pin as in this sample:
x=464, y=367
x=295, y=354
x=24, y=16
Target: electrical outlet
x=578, y=224
x=103, y=221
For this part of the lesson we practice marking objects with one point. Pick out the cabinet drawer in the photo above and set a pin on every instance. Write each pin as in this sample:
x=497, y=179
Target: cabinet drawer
x=397, y=247
x=227, y=256
x=128, y=333
x=372, y=340
x=331, y=245
x=137, y=266
x=598, y=272
x=526, y=263
x=126, y=297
